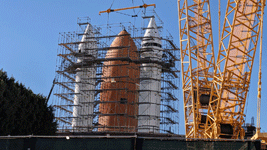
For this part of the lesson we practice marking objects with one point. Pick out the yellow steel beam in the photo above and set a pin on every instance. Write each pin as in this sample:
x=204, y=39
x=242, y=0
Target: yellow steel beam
x=119, y=9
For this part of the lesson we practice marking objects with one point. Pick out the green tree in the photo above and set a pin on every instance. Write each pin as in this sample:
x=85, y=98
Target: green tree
x=22, y=112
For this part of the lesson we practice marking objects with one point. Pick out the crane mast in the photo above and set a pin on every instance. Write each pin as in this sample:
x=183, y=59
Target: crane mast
x=233, y=68
x=197, y=58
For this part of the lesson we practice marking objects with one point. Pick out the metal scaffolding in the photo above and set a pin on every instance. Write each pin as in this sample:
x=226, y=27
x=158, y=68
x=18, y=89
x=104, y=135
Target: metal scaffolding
x=97, y=81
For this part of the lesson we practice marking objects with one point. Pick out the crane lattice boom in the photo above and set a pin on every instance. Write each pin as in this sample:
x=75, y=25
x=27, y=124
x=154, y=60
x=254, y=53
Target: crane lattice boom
x=197, y=58
x=215, y=93
x=236, y=54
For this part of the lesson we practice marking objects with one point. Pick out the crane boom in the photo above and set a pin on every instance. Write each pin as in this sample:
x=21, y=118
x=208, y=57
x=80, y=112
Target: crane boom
x=197, y=62
x=233, y=68
x=259, y=82
x=119, y=9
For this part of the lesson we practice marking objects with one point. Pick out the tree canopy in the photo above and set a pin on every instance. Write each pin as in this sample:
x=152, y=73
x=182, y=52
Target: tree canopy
x=22, y=112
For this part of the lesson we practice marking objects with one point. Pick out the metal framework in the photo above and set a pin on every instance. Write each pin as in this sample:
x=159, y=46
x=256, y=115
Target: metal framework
x=67, y=69
x=197, y=60
x=232, y=75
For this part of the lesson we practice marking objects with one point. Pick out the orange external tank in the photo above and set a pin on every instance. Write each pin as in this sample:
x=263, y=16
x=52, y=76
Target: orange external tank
x=119, y=96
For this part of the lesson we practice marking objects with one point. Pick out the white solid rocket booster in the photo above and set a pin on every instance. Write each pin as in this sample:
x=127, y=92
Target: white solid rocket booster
x=85, y=83
x=150, y=80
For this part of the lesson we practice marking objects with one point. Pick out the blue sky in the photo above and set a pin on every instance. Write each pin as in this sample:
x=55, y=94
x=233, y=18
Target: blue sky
x=29, y=36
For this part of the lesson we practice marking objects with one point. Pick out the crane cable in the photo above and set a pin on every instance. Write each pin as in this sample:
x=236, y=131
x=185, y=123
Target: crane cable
x=133, y=9
x=111, y=4
x=260, y=62
x=143, y=2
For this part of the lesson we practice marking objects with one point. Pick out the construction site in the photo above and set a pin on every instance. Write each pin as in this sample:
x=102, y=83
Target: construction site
x=117, y=82
x=118, y=85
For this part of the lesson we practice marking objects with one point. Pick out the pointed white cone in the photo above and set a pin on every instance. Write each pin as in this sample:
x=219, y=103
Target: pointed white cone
x=152, y=35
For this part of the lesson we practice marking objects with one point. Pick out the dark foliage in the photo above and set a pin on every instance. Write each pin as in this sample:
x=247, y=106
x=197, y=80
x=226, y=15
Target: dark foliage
x=22, y=112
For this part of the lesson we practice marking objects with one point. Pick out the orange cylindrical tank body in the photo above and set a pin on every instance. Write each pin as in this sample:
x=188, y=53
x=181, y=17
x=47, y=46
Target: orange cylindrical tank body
x=118, y=98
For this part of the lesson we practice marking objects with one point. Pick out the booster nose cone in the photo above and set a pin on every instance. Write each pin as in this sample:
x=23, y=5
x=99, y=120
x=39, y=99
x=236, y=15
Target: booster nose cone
x=151, y=37
x=150, y=80
x=83, y=102
x=151, y=43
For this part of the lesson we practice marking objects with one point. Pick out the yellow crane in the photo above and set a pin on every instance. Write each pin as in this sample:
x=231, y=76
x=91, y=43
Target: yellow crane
x=197, y=63
x=225, y=83
x=259, y=135
x=232, y=73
